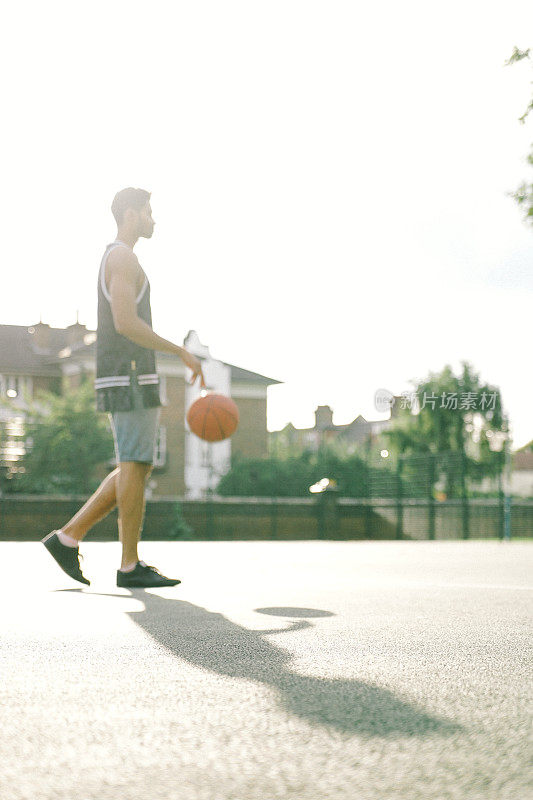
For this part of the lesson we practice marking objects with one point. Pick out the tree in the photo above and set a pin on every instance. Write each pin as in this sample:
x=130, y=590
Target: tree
x=292, y=476
x=524, y=193
x=66, y=439
x=455, y=420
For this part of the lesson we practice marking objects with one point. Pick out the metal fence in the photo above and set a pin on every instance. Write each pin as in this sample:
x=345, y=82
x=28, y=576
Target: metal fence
x=432, y=482
x=421, y=496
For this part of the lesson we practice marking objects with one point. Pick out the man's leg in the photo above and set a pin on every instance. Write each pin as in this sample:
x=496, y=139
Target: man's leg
x=96, y=508
x=130, y=497
x=59, y=544
x=131, y=503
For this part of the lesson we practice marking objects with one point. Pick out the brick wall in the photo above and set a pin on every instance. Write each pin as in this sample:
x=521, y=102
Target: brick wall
x=250, y=438
x=31, y=518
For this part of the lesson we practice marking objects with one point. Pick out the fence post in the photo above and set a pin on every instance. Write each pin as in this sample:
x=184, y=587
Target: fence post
x=368, y=505
x=328, y=520
x=431, y=498
x=320, y=517
x=399, y=495
x=501, y=495
x=464, y=498
x=209, y=517
x=274, y=506
x=507, y=486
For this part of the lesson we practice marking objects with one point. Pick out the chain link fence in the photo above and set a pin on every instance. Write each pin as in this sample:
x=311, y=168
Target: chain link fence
x=421, y=496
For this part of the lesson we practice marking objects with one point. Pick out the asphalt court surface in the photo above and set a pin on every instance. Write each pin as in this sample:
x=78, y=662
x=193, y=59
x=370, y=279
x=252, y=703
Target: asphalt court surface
x=275, y=671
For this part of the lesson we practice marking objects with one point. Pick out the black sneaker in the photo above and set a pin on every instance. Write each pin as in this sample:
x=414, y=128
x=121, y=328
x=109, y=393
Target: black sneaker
x=66, y=557
x=143, y=576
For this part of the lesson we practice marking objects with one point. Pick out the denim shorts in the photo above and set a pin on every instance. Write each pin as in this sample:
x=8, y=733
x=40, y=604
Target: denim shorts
x=135, y=431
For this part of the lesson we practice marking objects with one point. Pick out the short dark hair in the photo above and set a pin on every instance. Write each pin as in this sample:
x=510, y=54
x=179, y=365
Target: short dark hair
x=128, y=198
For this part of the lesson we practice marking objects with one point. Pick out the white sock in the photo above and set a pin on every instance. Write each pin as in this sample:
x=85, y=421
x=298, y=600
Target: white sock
x=67, y=540
x=129, y=567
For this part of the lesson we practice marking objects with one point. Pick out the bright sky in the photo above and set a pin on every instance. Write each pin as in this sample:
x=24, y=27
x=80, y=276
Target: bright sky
x=329, y=184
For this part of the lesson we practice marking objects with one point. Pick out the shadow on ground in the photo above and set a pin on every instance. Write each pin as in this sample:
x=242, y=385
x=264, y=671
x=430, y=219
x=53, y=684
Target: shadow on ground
x=210, y=641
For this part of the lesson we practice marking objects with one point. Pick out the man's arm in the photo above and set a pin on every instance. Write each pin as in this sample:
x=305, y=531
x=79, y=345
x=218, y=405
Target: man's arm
x=122, y=289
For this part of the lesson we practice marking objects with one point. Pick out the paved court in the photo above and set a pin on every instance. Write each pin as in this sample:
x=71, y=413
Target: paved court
x=276, y=671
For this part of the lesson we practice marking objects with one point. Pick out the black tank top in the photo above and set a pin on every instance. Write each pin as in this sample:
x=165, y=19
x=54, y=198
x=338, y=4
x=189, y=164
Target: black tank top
x=119, y=361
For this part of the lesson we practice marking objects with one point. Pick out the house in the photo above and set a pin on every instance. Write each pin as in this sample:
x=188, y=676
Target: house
x=40, y=357
x=349, y=436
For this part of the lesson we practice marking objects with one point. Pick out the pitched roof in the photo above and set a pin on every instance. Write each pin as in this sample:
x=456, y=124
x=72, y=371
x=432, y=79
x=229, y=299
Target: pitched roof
x=20, y=355
x=358, y=422
x=239, y=374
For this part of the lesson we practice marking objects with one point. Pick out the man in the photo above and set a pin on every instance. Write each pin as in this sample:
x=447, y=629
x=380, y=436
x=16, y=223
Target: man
x=127, y=387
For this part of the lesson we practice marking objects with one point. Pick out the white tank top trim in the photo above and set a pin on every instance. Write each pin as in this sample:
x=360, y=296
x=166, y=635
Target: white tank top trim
x=118, y=380
x=112, y=246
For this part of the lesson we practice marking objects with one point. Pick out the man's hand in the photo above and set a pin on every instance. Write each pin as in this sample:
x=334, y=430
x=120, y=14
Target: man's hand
x=194, y=364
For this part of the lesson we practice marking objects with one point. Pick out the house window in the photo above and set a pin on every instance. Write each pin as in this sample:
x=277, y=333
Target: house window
x=13, y=444
x=160, y=452
x=311, y=440
x=12, y=386
x=16, y=386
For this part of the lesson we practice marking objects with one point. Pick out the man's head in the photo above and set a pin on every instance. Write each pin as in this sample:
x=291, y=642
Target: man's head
x=131, y=209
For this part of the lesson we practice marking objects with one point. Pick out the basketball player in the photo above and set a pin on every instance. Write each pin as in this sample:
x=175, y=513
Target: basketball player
x=127, y=387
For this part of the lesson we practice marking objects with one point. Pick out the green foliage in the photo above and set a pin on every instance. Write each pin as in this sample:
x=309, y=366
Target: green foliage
x=459, y=432
x=67, y=439
x=178, y=527
x=292, y=477
x=524, y=193
x=435, y=452
x=283, y=446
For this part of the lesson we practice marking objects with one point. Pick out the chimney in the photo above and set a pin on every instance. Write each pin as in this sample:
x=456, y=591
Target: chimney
x=40, y=335
x=75, y=334
x=323, y=417
x=395, y=406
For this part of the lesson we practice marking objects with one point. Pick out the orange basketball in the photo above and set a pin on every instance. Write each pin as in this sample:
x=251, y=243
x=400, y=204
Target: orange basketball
x=213, y=417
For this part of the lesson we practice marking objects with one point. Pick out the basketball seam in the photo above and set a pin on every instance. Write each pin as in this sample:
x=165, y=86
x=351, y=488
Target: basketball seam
x=224, y=407
x=221, y=429
x=211, y=408
x=226, y=421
